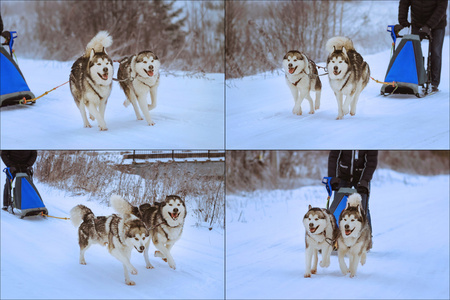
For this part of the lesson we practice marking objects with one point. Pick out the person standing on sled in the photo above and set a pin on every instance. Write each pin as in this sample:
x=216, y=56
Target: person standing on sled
x=353, y=168
x=18, y=161
x=428, y=18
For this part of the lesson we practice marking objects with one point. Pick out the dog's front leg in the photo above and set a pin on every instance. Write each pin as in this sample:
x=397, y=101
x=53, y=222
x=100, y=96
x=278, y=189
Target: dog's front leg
x=354, y=103
x=318, y=93
x=128, y=281
x=308, y=258
x=297, y=110
x=166, y=253
x=348, y=101
x=94, y=112
x=142, y=100
x=353, y=262
x=315, y=259
x=82, y=108
x=341, y=254
x=153, y=97
x=326, y=253
x=339, y=98
x=148, y=265
x=311, y=102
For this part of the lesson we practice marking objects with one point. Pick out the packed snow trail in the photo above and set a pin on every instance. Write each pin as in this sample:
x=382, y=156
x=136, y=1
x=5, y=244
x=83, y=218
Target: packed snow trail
x=259, y=115
x=189, y=115
x=409, y=259
x=39, y=259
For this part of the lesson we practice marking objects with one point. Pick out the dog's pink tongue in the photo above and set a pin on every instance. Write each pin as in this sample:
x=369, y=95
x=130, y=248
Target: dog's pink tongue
x=347, y=232
x=150, y=73
x=291, y=70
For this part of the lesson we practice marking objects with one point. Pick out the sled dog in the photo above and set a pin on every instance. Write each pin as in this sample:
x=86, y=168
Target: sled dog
x=91, y=80
x=355, y=237
x=348, y=74
x=302, y=77
x=164, y=220
x=139, y=75
x=321, y=233
x=120, y=233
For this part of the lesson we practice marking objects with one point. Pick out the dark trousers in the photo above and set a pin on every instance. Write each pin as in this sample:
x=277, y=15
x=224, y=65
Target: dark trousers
x=437, y=42
x=364, y=198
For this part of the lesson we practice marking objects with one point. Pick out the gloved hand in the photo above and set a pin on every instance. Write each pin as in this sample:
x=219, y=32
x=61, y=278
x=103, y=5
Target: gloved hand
x=425, y=30
x=397, y=29
x=362, y=187
x=334, y=182
x=405, y=24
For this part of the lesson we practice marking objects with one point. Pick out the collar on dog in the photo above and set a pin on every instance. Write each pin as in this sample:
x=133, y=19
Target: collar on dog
x=295, y=83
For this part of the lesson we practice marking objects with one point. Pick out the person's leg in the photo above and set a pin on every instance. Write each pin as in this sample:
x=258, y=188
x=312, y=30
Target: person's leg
x=436, y=55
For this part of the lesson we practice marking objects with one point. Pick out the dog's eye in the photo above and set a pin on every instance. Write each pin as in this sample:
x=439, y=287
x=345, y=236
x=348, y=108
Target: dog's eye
x=145, y=61
x=295, y=60
x=317, y=219
x=352, y=220
x=136, y=239
x=143, y=238
x=98, y=64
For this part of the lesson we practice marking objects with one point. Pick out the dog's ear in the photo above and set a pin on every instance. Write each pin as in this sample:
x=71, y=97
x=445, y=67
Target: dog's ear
x=104, y=50
x=344, y=51
x=132, y=65
x=309, y=207
x=92, y=54
x=334, y=48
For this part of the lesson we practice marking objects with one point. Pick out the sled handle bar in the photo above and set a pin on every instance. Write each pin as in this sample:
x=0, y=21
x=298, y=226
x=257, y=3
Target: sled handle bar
x=327, y=182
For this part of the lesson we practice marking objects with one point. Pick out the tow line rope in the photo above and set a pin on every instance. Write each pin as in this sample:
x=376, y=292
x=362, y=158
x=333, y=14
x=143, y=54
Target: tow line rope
x=44, y=215
x=393, y=84
x=25, y=101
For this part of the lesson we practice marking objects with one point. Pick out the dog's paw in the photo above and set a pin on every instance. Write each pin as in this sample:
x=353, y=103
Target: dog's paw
x=311, y=112
x=352, y=275
x=149, y=266
x=297, y=110
x=307, y=275
x=139, y=118
x=82, y=262
x=345, y=271
x=352, y=113
x=87, y=125
x=134, y=271
x=345, y=110
x=325, y=264
x=151, y=123
x=129, y=282
x=103, y=128
x=313, y=271
x=126, y=103
x=91, y=117
x=339, y=117
x=158, y=254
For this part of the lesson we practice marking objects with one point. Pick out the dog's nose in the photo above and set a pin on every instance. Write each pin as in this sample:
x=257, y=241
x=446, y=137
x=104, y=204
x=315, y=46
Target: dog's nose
x=311, y=225
x=151, y=67
x=290, y=65
x=175, y=210
x=142, y=248
x=346, y=226
x=335, y=68
x=105, y=69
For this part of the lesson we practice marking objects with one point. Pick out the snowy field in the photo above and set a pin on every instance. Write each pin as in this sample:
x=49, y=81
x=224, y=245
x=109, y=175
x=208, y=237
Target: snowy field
x=409, y=260
x=39, y=260
x=259, y=114
x=189, y=115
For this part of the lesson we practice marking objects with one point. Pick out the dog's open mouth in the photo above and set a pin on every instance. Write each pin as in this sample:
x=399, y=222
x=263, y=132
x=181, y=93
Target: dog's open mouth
x=140, y=251
x=335, y=72
x=292, y=70
x=103, y=76
x=312, y=230
x=174, y=215
x=149, y=72
x=348, y=231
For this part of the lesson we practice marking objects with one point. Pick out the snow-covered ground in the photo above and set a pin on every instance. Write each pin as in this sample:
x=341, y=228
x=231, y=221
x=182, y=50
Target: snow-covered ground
x=259, y=114
x=189, y=115
x=410, y=257
x=39, y=260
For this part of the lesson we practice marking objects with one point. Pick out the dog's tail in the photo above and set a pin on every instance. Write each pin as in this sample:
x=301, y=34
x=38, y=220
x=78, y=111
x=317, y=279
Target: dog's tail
x=81, y=213
x=339, y=42
x=101, y=41
x=354, y=200
x=121, y=205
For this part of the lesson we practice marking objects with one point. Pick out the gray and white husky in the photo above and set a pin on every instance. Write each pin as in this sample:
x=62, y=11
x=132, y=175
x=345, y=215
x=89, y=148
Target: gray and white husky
x=302, y=77
x=355, y=237
x=91, y=80
x=165, y=222
x=138, y=76
x=321, y=233
x=120, y=233
x=348, y=74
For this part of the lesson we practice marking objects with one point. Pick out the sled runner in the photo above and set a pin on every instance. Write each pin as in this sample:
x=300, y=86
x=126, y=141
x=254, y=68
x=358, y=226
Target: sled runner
x=406, y=70
x=24, y=197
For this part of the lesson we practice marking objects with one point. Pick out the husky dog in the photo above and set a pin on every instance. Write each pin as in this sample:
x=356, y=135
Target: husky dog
x=164, y=220
x=121, y=234
x=301, y=78
x=139, y=75
x=355, y=237
x=348, y=73
x=321, y=232
x=91, y=80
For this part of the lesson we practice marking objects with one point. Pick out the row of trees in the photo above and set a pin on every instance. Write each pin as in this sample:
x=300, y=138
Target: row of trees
x=186, y=35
